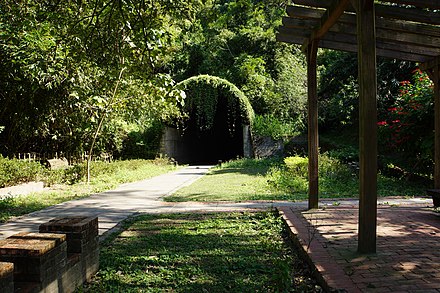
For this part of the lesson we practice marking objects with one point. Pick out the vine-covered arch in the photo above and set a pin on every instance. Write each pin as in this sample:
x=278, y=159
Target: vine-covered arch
x=205, y=92
x=217, y=122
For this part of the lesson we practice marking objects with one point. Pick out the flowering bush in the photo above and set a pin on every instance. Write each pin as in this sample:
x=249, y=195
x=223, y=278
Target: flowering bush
x=409, y=123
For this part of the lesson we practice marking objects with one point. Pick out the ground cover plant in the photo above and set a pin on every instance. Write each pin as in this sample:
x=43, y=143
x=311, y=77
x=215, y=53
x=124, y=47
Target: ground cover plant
x=222, y=252
x=70, y=184
x=286, y=179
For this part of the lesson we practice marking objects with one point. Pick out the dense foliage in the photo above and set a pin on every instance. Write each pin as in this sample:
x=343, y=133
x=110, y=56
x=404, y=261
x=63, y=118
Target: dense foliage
x=61, y=63
x=235, y=40
x=405, y=113
x=67, y=66
x=338, y=87
x=407, y=129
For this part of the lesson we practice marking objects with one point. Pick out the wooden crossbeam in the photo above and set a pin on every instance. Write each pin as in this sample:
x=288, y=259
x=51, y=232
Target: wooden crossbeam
x=391, y=45
x=409, y=14
x=433, y=4
x=304, y=12
x=297, y=12
x=407, y=38
x=387, y=11
x=330, y=17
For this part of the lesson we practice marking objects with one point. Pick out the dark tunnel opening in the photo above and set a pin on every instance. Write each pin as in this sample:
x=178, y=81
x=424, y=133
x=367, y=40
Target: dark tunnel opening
x=215, y=144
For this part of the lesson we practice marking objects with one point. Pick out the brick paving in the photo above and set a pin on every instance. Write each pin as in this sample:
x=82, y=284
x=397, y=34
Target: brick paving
x=408, y=247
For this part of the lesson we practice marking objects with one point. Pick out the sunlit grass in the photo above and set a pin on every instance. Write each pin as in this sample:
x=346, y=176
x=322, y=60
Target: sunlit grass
x=239, y=180
x=271, y=180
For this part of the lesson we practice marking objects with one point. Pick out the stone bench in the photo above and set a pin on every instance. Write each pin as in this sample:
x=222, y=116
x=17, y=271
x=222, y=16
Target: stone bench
x=82, y=239
x=60, y=258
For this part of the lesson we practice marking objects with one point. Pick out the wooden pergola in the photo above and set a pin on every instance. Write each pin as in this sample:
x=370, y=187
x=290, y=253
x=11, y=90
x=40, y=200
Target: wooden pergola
x=400, y=29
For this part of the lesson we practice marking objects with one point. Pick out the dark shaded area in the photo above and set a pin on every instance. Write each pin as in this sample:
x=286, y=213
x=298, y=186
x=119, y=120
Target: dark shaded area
x=218, y=143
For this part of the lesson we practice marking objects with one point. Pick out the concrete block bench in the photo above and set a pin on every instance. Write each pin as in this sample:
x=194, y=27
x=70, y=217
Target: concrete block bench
x=60, y=258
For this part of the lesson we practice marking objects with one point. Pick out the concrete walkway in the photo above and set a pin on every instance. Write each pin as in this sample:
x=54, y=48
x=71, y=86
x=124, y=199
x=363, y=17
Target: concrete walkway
x=112, y=207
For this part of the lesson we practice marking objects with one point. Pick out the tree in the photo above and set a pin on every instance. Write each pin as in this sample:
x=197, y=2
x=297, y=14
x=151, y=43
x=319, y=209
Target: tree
x=60, y=60
x=235, y=40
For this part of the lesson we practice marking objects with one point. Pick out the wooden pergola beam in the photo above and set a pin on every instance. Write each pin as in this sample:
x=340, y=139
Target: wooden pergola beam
x=313, y=16
x=386, y=11
x=347, y=42
x=433, y=4
x=330, y=17
x=367, y=125
x=409, y=14
x=312, y=109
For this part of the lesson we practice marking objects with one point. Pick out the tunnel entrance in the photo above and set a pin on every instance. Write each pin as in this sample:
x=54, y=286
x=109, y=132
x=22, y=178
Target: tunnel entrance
x=210, y=146
x=224, y=136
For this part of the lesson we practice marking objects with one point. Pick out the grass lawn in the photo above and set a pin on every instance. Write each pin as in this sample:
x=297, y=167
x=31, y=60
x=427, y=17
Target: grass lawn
x=265, y=179
x=117, y=173
x=233, y=181
x=221, y=252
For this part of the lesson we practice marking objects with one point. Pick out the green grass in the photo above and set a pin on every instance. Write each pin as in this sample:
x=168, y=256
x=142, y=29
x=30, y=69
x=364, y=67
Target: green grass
x=263, y=179
x=106, y=176
x=222, y=252
x=239, y=180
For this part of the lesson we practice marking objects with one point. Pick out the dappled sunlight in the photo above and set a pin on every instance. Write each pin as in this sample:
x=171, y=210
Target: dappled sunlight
x=222, y=252
x=408, y=241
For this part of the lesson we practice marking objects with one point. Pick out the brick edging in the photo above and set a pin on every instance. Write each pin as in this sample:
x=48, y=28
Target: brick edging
x=328, y=274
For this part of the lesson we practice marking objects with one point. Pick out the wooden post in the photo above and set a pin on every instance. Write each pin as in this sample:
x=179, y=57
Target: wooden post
x=312, y=95
x=366, y=36
x=436, y=79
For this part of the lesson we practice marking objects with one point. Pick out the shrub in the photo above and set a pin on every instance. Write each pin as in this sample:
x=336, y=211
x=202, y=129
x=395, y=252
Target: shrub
x=292, y=177
x=408, y=126
x=14, y=171
x=269, y=125
x=297, y=166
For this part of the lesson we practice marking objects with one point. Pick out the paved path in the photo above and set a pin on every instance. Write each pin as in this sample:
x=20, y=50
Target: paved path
x=114, y=206
x=408, y=246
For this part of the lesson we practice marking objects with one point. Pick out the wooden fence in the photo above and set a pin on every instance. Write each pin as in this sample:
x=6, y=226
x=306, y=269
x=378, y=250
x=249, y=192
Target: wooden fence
x=72, y=158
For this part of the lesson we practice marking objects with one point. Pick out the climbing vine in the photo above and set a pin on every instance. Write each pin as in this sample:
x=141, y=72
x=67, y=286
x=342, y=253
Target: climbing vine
x=204, y=92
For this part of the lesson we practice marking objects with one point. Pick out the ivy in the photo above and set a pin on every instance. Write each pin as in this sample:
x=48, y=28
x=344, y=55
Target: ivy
x=204, y=92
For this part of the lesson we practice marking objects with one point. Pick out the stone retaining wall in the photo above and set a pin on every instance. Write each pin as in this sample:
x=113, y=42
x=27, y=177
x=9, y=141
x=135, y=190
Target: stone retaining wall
x=60, y=258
